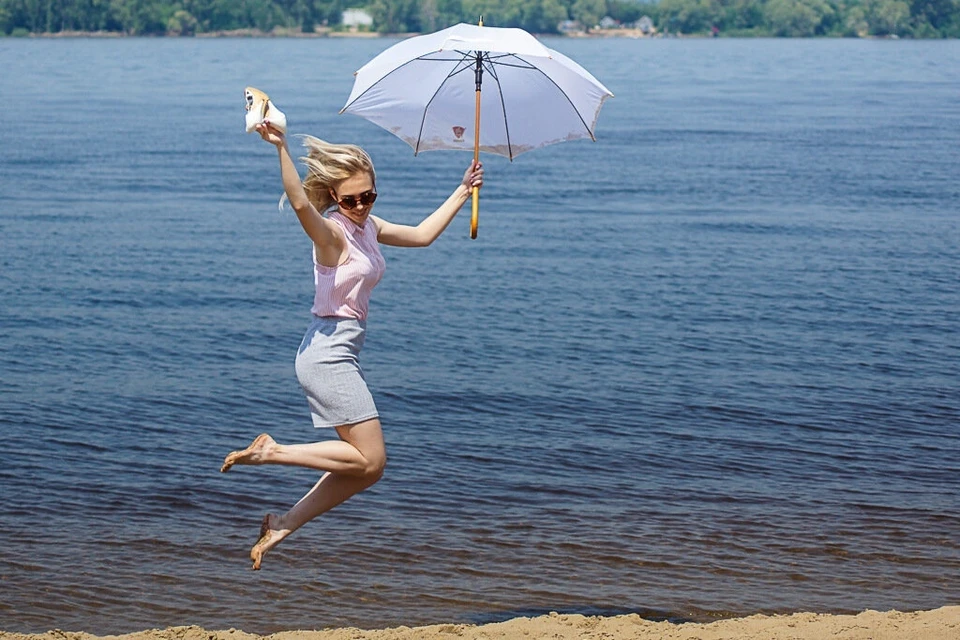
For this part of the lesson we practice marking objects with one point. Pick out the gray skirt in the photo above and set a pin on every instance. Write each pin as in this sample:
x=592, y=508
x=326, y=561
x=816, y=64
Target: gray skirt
x=328, y=368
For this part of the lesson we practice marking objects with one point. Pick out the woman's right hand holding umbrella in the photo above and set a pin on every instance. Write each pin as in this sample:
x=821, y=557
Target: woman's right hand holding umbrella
x=473, y=176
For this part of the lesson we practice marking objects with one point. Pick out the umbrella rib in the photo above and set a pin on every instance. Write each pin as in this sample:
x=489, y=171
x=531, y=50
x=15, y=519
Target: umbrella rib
x=460, y=59
x=426, y=107
x=516, y=66
x=393, y=71
x=563, y=93
x=506, y=125
x=498, y=56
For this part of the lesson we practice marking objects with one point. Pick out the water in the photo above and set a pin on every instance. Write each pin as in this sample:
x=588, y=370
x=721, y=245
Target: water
x=706, y=366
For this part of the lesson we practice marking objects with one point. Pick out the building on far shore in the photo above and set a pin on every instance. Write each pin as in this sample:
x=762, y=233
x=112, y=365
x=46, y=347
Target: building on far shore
x=610, y=27
x=355, y=19
x=609, y=23
x=570, y=27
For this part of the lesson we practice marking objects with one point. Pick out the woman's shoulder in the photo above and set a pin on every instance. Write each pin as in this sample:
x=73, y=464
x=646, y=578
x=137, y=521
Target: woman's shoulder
x=378, y=223
x=339, y=222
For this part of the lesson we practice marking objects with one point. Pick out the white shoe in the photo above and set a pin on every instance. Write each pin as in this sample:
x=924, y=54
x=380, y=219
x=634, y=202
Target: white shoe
x=259, y=108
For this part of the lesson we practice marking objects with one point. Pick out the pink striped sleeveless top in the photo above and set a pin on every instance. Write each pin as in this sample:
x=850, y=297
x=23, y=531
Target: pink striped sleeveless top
x=344, y=290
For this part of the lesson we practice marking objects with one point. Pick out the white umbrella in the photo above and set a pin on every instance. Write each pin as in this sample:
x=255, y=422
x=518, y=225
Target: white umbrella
x=426, y=90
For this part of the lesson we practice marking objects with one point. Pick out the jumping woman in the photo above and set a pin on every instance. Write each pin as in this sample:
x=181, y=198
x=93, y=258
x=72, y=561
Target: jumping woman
x=334, y=204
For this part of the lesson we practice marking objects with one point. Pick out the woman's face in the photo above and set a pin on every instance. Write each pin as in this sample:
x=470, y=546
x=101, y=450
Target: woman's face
x=355, y=197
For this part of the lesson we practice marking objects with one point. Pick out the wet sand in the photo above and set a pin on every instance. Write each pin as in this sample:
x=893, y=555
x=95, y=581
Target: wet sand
x=938, y=624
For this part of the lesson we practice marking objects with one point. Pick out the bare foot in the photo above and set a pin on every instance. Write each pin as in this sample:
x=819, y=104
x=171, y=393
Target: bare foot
x=251, y=455
x=270, y=536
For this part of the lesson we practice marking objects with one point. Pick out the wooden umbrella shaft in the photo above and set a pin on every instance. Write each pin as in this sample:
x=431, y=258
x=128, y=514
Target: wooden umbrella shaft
x=475, y=214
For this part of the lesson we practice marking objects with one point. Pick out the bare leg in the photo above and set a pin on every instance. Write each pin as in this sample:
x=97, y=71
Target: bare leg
x=351, y=467
x=339, y=456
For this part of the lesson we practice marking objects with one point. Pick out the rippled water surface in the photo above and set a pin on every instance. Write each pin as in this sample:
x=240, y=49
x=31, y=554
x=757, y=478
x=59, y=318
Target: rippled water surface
x=705, y=366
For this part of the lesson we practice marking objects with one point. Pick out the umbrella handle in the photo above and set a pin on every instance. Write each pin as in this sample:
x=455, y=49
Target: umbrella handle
x=475, y=216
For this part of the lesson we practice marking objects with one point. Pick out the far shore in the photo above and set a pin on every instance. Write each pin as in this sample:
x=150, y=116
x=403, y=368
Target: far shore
x=633, y=34
x=938, y=624
x=320, y=32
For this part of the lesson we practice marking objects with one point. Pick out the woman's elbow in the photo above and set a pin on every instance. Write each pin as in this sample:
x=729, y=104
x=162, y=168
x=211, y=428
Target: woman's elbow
x=301, y=207
x=424, y=237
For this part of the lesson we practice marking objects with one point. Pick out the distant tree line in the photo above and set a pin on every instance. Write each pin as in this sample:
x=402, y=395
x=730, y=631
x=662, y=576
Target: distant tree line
x=156, y=17
x=807, y=18
x=783, y=18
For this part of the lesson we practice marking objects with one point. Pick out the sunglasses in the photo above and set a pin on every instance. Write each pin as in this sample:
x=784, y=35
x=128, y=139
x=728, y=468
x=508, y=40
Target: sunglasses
x=366, y=199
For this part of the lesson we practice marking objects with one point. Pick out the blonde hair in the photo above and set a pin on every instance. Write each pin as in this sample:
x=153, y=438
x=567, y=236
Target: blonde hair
x=330, y=164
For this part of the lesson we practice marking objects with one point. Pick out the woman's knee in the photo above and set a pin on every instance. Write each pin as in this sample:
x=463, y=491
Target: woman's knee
x=375, y=465
x=367, y=437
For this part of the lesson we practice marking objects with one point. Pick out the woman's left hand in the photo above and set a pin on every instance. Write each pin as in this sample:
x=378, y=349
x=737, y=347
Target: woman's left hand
x=271, y=134
x=473, y=177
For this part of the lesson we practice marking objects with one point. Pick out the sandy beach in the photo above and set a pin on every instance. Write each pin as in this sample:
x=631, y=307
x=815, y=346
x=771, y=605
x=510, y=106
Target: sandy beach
x=938, y=624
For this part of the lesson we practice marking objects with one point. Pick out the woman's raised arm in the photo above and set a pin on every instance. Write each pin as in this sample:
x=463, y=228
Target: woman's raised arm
x=422, y=235
x=325, y=234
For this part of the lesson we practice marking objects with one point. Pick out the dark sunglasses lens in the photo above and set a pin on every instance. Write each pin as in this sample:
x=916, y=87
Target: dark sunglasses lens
x=352, y=202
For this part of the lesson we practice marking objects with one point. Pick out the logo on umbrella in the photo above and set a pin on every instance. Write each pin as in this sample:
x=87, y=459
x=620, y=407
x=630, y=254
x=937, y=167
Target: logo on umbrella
x=458, y=133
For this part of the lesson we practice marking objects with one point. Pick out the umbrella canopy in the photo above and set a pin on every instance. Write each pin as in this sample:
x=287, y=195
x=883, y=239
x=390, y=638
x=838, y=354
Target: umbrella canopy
x=422, y=90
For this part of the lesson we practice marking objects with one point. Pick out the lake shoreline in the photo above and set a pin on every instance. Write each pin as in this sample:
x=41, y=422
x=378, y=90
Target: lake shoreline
x=319, y=33
x=629, y=34
x=936, y=624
